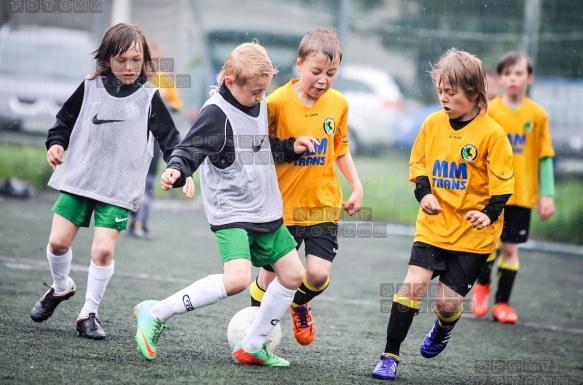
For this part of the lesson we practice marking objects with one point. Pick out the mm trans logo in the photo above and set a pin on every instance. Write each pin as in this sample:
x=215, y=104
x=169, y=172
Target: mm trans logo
x=316, y=158
x=55, y=6
x=449, y=175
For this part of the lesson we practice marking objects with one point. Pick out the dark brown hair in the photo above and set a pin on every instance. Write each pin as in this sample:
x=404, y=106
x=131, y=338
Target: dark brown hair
x=510, y=59
x=117, y=40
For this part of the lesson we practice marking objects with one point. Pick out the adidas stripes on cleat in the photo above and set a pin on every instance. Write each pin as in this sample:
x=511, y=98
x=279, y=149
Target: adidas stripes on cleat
x=386, y=368
x=436, y=340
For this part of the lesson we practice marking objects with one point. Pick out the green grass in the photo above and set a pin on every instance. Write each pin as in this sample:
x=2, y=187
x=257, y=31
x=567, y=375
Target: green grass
x=351, y=315
x=387, y=192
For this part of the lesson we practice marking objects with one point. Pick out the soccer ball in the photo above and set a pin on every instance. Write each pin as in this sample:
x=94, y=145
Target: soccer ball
x=241, y=323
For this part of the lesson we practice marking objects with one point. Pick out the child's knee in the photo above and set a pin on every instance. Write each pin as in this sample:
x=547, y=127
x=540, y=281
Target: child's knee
x=58, y=246
x=317, y=278
x=236, y=283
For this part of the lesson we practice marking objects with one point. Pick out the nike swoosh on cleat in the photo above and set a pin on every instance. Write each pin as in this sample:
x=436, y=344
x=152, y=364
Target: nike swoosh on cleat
x=246, y=358
x=99, y=121
x=151, y=353
x=120, y=220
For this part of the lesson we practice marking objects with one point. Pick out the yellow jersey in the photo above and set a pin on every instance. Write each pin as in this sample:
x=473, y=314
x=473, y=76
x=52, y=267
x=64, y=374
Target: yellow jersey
x=465, y=168
x=527, y=130
x=309, y=186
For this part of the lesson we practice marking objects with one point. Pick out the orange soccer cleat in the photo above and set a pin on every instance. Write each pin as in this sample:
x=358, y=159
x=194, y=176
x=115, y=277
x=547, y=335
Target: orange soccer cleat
x=502, y=312
x=480, y=297
x=304, y=326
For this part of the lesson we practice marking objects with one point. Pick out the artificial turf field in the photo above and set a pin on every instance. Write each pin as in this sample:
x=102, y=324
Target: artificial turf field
x=545, y=347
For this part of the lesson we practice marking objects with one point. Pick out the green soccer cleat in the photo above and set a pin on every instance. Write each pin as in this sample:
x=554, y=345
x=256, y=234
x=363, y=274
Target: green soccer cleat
x=262, y=357
x=149, y=330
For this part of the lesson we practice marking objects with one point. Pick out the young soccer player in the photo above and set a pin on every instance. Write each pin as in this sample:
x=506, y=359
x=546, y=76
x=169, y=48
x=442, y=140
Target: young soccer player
x=100, y=148
x=242, y=202
x=312, y=198
x=139, y=221
x=526, y=126
x=461, y=164
x=492, y=85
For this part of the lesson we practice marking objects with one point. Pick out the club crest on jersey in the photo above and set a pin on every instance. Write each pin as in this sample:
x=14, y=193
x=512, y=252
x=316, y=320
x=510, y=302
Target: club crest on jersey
x=469, y=153
x=329, y=126
x=528, y=126
x=131, y=110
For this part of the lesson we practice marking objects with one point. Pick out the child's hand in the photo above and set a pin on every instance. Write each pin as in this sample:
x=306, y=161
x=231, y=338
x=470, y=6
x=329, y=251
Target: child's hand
x=169, y=177
x=546, y=207
x=55, y=155
x=304, y=143
x=354, y=203
x=430, y=205
x=479, y=219
x=188, y=188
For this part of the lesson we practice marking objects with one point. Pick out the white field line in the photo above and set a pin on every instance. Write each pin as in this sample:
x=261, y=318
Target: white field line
x=18, y=264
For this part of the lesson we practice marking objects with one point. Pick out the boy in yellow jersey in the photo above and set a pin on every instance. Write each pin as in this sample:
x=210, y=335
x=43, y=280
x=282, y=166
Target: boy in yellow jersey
x=312, y=198
x=461, y=164
x=526, y=126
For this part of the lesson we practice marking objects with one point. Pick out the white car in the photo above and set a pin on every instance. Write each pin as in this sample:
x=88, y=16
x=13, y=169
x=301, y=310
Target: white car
x=40, y=68
x=375, y=103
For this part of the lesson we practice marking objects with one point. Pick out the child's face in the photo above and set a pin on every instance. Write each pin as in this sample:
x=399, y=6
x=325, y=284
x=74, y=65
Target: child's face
x=455, y=103
x=317, y=74
x=251, y=93
x=515, y=79
x=127, y=66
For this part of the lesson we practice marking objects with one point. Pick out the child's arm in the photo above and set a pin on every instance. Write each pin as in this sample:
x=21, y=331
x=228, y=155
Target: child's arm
x=346, y=166
x=289, y=150
x=427, y=201
x=66, y=119
x=546, y=204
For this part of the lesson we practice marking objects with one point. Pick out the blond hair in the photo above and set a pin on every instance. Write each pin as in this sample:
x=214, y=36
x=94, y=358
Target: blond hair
x=321, y=40
x=464, y=71
x=247, y=61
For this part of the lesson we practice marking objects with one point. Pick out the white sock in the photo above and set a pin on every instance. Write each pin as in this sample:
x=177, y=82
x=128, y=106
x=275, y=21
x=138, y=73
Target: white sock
x=203, y=292
x=97, y=281
x=276, y=301
x=60, y=268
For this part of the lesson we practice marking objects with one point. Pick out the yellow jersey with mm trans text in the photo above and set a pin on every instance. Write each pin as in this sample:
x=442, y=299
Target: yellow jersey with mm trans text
x=465, y=168
x=309, y=186
x=527, y=129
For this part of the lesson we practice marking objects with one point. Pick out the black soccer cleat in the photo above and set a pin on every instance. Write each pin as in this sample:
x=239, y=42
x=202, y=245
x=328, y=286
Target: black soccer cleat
x=90, y=328
x=46, y=306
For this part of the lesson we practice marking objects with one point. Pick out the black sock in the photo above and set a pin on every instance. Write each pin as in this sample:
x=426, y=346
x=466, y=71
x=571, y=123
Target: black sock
x=485, y=273
x=400, y=320
x=306, y=293
x=256, y=293
x=505, y=283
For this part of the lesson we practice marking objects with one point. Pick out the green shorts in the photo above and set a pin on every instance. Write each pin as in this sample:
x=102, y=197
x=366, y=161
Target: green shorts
x=261, y=248
x=78, y=210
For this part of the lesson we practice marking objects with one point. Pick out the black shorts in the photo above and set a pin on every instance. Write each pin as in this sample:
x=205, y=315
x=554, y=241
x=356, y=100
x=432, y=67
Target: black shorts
x=458, y=270
x=516, y=224
x=321, y=240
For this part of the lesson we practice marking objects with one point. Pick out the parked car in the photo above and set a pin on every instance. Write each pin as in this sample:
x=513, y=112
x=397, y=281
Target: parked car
x=40, y=68
x=375, y=104
x=410, y=122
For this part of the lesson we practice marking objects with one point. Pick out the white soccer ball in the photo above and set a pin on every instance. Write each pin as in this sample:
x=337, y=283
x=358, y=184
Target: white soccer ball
x=241, y=323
